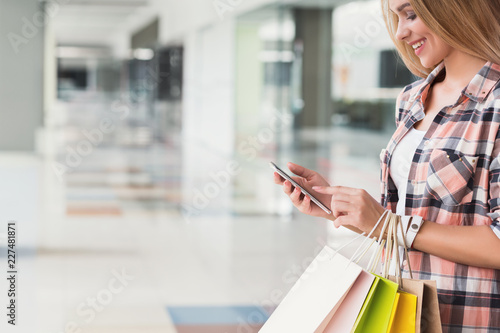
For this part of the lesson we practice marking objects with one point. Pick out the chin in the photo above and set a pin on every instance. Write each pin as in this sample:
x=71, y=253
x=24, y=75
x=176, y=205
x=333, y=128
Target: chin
x=426, y=65
x=429, y=63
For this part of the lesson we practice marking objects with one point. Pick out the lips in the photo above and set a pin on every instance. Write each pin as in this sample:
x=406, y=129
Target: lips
x=418, y=44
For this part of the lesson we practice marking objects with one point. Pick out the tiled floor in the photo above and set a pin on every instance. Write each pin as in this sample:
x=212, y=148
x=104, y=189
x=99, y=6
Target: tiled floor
x=119, y=248
x=198, y=319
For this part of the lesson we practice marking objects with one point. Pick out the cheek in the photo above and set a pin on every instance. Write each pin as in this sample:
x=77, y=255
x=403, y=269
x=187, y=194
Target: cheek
x=442, y=49
x=420, y=28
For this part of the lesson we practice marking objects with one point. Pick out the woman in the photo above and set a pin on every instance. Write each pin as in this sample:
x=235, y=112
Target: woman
x=441, y=169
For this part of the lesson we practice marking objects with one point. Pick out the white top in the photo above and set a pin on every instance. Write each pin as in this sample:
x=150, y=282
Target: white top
x=401, y=163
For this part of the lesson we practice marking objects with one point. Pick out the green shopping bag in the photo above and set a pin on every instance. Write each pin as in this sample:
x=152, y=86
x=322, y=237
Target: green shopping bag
x=376, y=312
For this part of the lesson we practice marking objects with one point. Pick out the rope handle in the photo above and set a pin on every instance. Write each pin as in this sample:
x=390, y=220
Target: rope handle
x=392, y=223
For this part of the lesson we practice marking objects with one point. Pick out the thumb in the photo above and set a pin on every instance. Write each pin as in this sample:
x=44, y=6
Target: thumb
x=338, y=221
x=300, y=170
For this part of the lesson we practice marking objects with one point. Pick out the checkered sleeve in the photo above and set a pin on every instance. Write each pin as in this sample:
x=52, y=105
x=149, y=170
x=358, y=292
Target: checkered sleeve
x=494, y=204
x=494, y=170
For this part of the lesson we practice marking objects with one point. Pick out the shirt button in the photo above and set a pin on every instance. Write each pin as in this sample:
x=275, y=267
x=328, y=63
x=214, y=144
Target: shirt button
x=413, y=182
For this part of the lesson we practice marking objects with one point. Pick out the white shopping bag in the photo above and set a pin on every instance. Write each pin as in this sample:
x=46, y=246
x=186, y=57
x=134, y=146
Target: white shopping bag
x=316, y=295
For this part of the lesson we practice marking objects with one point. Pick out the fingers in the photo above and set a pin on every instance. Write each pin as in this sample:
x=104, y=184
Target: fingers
x=287, y=187
x=305, y=206
x=345, y=200
x=295, y=196
x=353, y=208
x=340, y=208
x=325, y=189
x=278, y=179
x=298, y=199
x=300, y=170
x=338, y=190
x=338, y=222
x=342, y=198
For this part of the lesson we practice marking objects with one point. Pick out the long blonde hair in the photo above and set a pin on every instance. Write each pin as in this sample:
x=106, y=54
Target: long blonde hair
x=470, y=26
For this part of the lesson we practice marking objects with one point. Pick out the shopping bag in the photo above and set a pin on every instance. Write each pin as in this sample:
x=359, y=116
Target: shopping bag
x=404, y=320
x=394, y=309
x=416, y=288
x=376, y=312
x=431, y=320
x=344, y=318
x=404, y=316
x=315, y=296
x=427, y=317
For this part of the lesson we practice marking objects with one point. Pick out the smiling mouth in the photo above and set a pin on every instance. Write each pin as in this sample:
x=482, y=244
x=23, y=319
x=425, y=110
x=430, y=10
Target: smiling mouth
x=418, y=45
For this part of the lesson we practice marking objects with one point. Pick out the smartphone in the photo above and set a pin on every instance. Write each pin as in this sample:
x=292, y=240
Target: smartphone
x=303, y=190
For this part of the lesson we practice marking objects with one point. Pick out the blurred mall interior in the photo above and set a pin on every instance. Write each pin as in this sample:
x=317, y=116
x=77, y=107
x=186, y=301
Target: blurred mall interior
x=135, y=137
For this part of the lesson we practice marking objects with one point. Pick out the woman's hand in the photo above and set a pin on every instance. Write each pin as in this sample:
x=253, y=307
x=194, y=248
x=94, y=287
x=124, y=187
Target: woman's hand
x=307, y=179
x=353, y=208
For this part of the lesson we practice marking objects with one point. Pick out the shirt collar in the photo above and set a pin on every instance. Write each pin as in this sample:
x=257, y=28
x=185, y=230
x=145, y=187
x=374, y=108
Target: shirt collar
x=427, y=82
x=478, y=88
x=483, y=82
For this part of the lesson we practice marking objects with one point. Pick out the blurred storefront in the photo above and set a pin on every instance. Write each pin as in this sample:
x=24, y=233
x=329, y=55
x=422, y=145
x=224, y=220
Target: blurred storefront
x=145, y=128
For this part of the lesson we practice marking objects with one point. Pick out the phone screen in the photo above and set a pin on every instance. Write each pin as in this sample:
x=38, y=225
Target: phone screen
x=303, y=190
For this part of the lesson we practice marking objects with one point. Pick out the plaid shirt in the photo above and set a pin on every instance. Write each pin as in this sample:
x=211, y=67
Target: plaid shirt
x=454, y=179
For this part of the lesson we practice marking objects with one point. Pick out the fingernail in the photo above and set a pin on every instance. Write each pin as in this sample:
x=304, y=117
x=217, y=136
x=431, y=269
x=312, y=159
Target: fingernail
x=316, y=187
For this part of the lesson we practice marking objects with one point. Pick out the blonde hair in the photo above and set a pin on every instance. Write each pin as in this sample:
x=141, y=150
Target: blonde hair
x=470, y=26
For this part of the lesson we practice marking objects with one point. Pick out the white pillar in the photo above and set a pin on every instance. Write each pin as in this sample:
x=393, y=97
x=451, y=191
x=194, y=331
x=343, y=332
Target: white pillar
x=21, y=68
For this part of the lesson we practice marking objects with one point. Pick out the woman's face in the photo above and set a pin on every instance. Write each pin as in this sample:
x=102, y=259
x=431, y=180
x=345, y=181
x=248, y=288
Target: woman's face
x=427, y=46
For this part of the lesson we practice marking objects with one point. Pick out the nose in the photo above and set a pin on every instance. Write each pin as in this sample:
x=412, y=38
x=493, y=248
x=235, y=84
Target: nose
x=402, y=32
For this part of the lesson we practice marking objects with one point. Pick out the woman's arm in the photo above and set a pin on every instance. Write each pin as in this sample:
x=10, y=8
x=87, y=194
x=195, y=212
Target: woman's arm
x=356, y=210
x=470, y=245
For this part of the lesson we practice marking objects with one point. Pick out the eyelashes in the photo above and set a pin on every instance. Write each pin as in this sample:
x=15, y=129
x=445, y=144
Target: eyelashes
x=411, y=16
